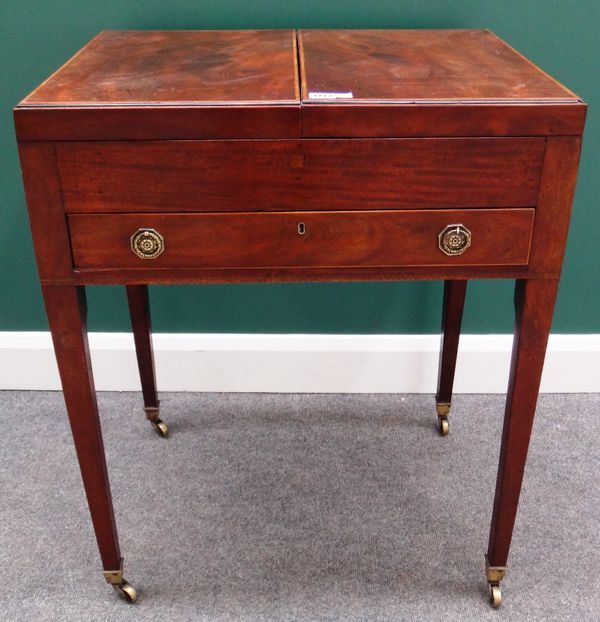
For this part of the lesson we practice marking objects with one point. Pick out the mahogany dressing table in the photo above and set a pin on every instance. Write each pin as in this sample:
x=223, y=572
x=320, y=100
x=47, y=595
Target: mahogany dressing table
x=258, y=156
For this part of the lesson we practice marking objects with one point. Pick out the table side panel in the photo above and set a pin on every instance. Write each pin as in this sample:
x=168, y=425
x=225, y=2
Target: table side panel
x=207, y=176
x=308, y=121
x=157, y=122
x=553, y=211
x=46, y=214
x=429, y=120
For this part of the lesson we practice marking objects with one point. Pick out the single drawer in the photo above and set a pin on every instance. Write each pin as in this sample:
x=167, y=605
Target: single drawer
x=292, y=175
x=302, y=239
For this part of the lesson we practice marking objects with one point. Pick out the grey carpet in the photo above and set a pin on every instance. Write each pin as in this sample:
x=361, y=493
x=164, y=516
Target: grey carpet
x=299, y=507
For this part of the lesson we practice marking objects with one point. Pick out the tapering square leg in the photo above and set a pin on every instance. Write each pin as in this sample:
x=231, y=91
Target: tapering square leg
x=139, y=311
x=452, y=312
x=66, y=310
x=534, y=306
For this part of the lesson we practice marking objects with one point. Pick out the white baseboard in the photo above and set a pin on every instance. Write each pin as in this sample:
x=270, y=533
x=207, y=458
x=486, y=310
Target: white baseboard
x=301, y=363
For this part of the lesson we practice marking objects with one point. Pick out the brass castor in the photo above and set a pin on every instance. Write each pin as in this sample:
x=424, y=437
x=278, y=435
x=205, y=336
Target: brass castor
x=443, y=410
x=495, y=595
x=161, y=427
x=443, y=426
x=122, y=588
x=494, y=575
x=125, y=591
x=152, y=414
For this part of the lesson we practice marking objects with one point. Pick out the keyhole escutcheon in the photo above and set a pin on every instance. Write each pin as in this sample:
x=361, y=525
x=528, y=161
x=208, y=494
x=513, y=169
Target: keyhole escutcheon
x=301, y=228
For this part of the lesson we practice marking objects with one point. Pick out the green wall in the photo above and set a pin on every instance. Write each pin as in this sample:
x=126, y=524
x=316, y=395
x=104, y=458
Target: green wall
x=561, y=36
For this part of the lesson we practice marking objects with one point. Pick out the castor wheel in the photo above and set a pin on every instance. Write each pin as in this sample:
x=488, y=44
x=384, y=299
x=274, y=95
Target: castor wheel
x=161, y=427
x=495, y=595
x=121, y=587
x=494, y=575
x=152, y=414
x=443, y=410
x=125, y=591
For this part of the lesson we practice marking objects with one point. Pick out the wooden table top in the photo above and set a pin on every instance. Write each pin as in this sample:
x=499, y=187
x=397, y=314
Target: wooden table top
x=400, y=66
x=292, y=84
x=137, y=67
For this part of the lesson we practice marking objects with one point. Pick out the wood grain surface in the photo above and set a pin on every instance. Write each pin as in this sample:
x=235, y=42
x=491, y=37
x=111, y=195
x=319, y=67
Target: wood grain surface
x=430, y=120
x=140, y=67
x=170, y=84
x=428, y=83
x=421, y=66
x=205, y=176
x=161, y=85
x=158, y=122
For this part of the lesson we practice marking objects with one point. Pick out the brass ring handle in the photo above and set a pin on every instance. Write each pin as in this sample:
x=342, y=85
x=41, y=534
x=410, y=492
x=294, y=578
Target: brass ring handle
x=454, y=239
x=147, y=243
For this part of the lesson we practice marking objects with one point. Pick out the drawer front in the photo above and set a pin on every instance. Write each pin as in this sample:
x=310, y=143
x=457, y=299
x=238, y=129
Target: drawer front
x=292, y=175
x=486, y=237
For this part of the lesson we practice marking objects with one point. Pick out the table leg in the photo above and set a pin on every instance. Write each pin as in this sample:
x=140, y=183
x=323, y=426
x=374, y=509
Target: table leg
x=452, y=311
x=66, y=310
x=534, y=306
x=139, y=311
